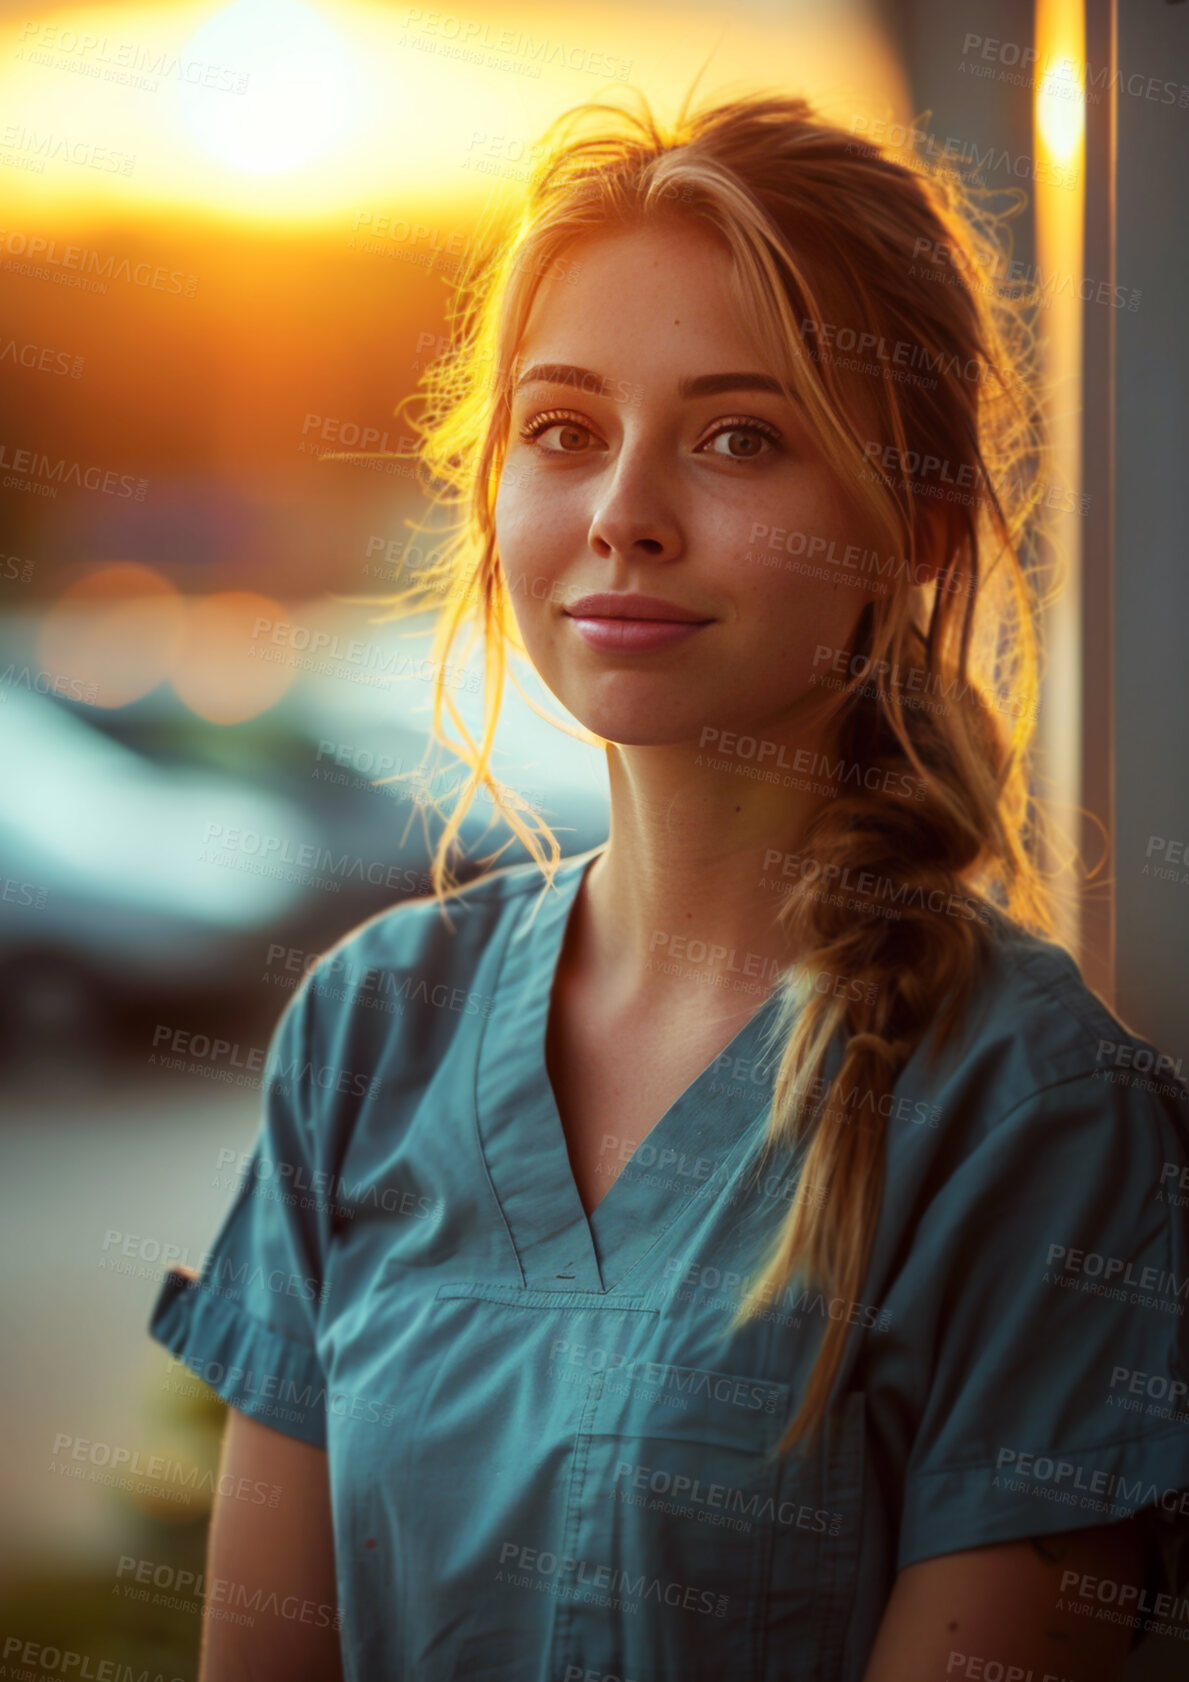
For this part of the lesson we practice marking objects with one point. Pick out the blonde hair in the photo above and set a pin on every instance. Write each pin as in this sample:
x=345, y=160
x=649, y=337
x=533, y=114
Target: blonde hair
x=829, y=236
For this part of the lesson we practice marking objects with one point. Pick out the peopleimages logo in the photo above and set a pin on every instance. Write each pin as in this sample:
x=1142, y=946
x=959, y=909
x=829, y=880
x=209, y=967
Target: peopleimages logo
x=1152, y=1386
x=1117, y=1278
x=911, y=683
x=1123, y=1494
x=349, y=1196
x=190, y=1591
x=976, y=1666
x=32, y=149
x=129, y=63
x=701, y=1278
x=44, y=358
x=866, y=890
x=67, y=1661
x=40, y=250
x=271, y=854
x=1127, y=1597
x=574, y=1574
x=1022, y=65
x=755, y=752
x=51, y=472
x=928, y=150
x=634, y=1482
x=328, y=1077
x=111, y=1462
x=992, y=265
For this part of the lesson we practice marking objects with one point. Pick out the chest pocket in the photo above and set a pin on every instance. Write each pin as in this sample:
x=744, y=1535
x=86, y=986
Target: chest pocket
x=815, y=1558
x=673, y=1514
x=702, y=1554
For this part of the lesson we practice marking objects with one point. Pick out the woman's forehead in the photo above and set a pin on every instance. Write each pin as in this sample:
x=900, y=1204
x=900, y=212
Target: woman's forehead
x=639, y=297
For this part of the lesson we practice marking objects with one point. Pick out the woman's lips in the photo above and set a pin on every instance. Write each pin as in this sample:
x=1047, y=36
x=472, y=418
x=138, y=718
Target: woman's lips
x=634, y=635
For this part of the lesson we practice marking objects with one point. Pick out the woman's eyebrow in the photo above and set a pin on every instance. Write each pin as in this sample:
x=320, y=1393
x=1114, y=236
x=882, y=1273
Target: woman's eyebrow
x=700, y=385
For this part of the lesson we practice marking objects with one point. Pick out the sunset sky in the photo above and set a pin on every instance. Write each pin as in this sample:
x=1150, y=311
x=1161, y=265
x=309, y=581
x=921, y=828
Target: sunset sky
x=233, y=229
x=371, y=108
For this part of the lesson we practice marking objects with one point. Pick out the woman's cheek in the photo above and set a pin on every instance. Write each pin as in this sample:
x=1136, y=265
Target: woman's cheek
x=530, y=608
x=527, y=534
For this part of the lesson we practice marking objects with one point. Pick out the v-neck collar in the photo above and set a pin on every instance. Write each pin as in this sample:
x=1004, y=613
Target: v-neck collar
x=686, y=1156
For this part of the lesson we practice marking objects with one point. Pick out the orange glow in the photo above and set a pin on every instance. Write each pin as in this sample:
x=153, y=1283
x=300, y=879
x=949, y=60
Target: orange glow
x=1061, y=93
x=116, y=631
x=299, y=112
x=222, y=674
x=1059, y=119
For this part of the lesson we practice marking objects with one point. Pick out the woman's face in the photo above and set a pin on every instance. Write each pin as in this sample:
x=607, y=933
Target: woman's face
x=621, y=481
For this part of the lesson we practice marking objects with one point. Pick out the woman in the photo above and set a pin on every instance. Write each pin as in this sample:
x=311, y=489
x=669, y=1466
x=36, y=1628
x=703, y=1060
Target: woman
x=747, y=1258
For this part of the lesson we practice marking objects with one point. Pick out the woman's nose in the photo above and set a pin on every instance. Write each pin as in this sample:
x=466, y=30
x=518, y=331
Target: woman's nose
x=632, y=518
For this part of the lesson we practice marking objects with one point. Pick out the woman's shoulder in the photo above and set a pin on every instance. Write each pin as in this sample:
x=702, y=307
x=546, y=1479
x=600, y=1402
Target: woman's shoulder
x=424, y=944
x=399, y=993
x=1035, y=1033
x=1043, y=1152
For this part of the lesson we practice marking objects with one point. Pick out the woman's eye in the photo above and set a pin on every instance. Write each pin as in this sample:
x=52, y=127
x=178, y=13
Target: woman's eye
x=574, y=436
x=753, y=435
x=745, y=440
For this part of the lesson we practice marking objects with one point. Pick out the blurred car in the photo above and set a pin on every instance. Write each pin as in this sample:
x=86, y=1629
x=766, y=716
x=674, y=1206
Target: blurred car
x=108, y=891
x=147, y=855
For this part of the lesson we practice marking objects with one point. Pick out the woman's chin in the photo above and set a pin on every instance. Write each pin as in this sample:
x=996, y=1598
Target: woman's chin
x=635, y=729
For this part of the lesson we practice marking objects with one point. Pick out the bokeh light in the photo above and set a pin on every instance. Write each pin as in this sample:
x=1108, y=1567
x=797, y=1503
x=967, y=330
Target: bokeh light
x=116, y=631
x=223, y=673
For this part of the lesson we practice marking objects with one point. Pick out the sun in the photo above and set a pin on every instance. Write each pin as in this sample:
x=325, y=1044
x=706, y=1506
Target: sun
x=270, y=86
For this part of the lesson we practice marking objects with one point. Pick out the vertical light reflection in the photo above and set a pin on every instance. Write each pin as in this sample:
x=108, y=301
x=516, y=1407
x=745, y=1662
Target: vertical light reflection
x=1059, y=139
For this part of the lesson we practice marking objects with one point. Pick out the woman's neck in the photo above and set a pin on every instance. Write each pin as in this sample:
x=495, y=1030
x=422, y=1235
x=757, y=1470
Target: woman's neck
x=687, y=890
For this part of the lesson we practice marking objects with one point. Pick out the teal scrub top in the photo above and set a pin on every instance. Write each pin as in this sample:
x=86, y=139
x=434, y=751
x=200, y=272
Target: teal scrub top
x=548, y=1461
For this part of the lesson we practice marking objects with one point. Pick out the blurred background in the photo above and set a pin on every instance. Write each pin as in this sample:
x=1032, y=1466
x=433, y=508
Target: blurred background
x=229, y=237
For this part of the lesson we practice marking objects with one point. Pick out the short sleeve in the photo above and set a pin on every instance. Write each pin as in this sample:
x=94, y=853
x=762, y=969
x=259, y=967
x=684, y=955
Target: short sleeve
x=246, y=1324
x=1037, y=1331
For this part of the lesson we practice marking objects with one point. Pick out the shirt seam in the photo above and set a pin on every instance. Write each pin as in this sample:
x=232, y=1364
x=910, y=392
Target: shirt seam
x=239, y=1311
x=501, y=880
x=1036, y=1092
x=310, y=1136
x=494, y=885
x=1066, y=987
x=982, y=1465
x=476, y=1129
x=961, y=1467
x=701, y=1196
x=538, y=879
